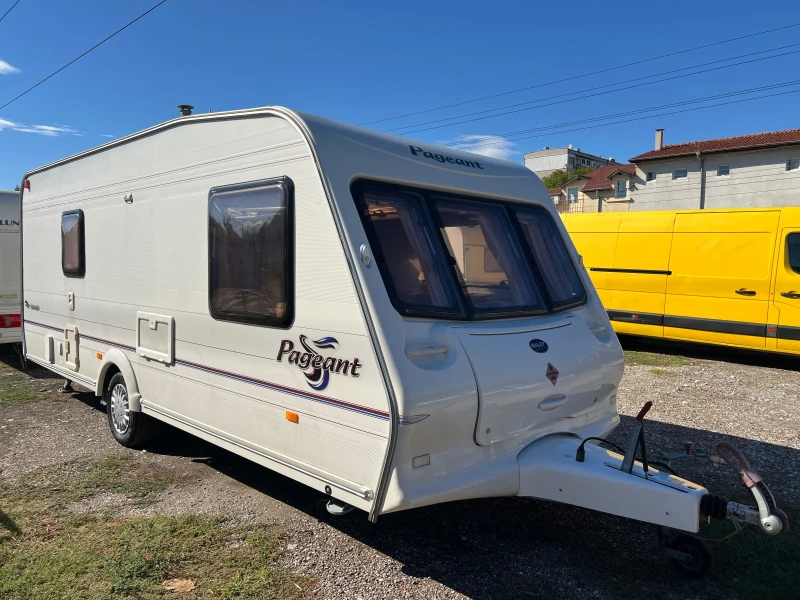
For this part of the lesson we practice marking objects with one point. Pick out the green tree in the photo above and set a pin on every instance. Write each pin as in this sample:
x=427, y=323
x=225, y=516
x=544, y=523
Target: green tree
x=558, y=178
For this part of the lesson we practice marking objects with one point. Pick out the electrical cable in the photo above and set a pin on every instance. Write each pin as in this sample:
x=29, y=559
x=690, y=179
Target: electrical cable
x=74, y=60
x=606, y=70
x=8, y=11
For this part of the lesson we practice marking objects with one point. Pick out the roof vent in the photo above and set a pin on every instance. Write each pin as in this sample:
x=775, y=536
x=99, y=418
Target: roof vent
x=186, y=109
x=611, y=159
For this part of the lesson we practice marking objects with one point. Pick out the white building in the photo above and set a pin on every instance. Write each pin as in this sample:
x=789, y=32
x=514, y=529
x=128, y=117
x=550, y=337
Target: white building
x=757, y=170
x=545, y=161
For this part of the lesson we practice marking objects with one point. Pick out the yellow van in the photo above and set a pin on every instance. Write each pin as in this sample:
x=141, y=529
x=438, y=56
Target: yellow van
x=729, y=277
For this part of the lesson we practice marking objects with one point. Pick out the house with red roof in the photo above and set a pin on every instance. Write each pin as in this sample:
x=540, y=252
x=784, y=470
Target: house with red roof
x=606, y=189
x=756, y=170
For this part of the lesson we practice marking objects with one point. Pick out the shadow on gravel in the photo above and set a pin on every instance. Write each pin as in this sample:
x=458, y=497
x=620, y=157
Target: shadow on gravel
x=524, y=548
x=751, y=358
x=8, y=524
x=11, y=360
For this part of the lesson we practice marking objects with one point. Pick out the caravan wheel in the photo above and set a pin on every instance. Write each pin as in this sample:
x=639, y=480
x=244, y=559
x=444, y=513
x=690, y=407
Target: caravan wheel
x=131, y=429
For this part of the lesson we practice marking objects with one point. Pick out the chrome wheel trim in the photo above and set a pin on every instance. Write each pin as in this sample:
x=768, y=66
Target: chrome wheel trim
x=119, y=409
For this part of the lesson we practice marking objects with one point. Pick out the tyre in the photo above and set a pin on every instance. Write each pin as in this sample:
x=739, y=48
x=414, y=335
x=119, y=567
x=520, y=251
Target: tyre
x=129, y=428
x=699, y=560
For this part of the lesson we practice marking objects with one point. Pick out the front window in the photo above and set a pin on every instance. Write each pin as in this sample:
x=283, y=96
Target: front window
x=250, y=242
x=470, y=230
x=411, y=263
x=452, y=257
x=572, y=195
x=551, y=257
x=793, y=250
x=622, y=189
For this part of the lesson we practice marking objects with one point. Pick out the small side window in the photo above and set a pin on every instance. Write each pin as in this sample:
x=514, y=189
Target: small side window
x=793, y=164
x=680, y=174
x=73, y=257
x=622, y=189
x=651, y=176
x=723, y=171
x=572, y=195
x=250, y=252
x=793, y=251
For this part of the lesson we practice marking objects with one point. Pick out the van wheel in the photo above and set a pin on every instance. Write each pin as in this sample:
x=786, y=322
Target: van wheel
x=131, y=429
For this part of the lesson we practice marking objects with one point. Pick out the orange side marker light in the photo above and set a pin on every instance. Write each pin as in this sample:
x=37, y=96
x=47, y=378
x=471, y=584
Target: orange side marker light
x=99, y=356
x=292, y=416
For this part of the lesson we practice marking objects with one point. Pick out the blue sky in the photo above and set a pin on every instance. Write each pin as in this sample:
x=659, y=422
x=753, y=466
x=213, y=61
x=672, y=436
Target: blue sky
x=364, y=61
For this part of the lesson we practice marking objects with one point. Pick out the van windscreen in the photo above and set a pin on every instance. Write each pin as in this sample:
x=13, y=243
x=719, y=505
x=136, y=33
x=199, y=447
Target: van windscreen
x=489, y=261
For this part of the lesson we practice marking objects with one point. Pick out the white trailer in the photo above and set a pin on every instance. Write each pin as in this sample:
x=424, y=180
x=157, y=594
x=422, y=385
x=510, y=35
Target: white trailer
x=389, y=322
x=10, y=266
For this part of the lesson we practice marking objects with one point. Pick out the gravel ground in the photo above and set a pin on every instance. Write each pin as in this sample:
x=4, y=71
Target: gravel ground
x=496, y=548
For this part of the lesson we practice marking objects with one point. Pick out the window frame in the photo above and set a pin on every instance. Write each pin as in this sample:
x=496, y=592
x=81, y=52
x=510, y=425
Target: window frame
x=81, y=270
x=788, y=254
x=727, y=171
x=577, y=193
x=789, y=167
x=357, y=190
x=684, y=176
x=617, y=190
x=289, y=281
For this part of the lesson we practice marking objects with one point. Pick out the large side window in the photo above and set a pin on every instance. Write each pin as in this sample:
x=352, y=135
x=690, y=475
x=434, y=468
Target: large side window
x=250, y=252
x=73, y=256
x=551, y=257
x=793, y=250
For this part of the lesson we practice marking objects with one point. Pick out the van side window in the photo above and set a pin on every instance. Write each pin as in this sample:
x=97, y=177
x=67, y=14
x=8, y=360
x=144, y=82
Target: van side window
x=250, y=252
x=793, y=250
x=73, y=257
x=551, y=257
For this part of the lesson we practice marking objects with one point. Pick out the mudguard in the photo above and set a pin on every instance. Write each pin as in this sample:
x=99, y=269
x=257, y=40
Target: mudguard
x=116, y=357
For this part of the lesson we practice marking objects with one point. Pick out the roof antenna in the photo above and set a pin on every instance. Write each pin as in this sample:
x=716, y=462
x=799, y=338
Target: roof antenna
x=186, y=109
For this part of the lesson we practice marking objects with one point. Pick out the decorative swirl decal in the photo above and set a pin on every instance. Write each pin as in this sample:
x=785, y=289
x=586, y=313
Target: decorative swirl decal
x=317, y=377
x=316, y=367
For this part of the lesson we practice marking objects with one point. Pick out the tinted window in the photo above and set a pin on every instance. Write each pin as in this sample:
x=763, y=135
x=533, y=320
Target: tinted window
x=250, y=240
x=470, y=229
x=723, y=170
x=551, y=257
x=72, y=244
x=680, y=174
x=793, y=250
x=411, y=264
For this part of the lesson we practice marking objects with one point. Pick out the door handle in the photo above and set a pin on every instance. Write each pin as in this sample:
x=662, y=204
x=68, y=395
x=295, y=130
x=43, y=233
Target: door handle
x=792, y=294
x=552, y=403
x=745, y=292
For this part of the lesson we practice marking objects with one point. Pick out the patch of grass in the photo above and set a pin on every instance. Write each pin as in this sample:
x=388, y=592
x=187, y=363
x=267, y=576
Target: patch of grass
x=79, y=479
x=659, y=372
x=651, y=359
x=98, y=559
x=45, y=552
x=16, y=387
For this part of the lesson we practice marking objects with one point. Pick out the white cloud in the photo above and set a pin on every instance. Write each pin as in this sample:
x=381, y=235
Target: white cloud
x=108, y=135
x=48, y=130
x=7, y=69
x=494, y=146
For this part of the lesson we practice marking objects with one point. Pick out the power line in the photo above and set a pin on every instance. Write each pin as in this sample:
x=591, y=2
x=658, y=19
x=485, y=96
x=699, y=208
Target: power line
x=8, y=11
x=74, y=60
x=602, y=87
x=630, y=64
x=638, y=118
x=585, y=96
x=508, y=135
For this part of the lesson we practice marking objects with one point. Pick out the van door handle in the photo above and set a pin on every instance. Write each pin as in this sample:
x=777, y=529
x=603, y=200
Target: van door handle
x=745, y=292
x=792, y=294
x=552, y=403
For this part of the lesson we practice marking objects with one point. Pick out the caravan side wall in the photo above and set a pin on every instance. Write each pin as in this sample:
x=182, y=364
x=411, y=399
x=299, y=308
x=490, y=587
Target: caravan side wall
x=144, y=297
x=10, y=330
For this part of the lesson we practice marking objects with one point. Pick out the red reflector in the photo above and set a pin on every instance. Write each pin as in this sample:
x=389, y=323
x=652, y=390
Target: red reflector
x=27, y=185
x=9, y=321
x=634, y=316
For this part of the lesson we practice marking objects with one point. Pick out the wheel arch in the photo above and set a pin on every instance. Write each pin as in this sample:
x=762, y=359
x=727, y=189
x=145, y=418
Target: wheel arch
x=115, y=361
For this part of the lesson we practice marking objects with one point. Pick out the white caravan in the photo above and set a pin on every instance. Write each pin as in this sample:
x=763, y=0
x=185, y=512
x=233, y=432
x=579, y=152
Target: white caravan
x=10, y=313
x=392, y=323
